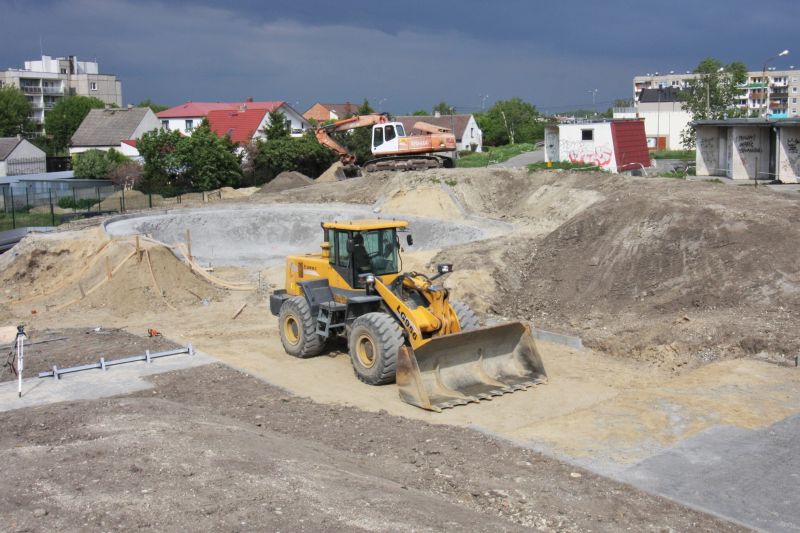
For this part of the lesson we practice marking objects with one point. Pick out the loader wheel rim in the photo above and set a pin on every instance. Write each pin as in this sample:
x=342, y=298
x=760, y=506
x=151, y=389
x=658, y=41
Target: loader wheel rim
x=366, y=351
x=291, y=329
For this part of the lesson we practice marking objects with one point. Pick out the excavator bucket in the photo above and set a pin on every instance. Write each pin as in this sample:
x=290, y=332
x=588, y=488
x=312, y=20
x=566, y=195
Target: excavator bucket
x=469, y=366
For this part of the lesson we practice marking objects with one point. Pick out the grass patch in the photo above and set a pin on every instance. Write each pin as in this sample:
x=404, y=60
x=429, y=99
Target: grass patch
x=492, y=154
x=23, y=219
x=684, y=155
x=564, y=165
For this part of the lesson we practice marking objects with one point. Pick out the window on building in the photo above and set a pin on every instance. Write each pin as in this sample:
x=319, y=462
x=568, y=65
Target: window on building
x=165, y=124
x=63, y=71
x=92, y=85
x=587, y=135
x=189, y=125
x=794, y=89
x=289, y=125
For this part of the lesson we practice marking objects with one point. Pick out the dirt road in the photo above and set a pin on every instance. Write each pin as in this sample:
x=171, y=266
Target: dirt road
x=224, y=451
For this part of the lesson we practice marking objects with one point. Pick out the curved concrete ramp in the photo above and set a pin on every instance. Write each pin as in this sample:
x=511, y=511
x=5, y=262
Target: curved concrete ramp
x=263, y=235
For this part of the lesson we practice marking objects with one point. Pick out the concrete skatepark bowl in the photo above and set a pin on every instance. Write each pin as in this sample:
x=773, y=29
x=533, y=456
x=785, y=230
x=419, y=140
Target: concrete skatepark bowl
x=261, y=236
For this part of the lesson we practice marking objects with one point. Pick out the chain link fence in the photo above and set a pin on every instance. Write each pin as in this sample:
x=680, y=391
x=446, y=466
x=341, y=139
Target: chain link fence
x=53, y=203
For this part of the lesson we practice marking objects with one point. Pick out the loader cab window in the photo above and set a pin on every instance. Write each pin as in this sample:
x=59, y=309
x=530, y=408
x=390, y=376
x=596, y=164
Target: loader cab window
x=390, y=133
x=377, y=136
x=342, y=255
x=379, y=252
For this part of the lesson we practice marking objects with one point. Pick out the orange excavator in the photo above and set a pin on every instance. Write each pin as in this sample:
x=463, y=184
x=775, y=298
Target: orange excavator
x=392, y=148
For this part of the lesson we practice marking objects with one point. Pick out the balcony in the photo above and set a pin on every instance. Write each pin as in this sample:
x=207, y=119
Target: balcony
x=758, y=96
x=30, y=89
x=53, y=90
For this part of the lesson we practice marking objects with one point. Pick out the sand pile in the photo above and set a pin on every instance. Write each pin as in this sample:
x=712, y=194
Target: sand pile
x=132, y=200
x=88, y=271
x=333, y=174
x=286, y=180
x=227, y=193
x=425, y=200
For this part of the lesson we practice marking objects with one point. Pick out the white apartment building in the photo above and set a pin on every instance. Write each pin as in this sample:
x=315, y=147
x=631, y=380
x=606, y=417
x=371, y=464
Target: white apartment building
x=46, y=81
x=777, y=94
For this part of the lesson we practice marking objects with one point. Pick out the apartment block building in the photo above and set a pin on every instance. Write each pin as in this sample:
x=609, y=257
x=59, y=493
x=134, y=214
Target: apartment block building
x=777, y=94
x=46, y=81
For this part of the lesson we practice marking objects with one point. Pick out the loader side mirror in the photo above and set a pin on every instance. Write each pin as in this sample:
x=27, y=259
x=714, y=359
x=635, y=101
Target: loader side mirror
x=410, y=239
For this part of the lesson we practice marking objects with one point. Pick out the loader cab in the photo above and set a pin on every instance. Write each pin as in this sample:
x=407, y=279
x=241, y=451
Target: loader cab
x=364, y=247
x=386, y=137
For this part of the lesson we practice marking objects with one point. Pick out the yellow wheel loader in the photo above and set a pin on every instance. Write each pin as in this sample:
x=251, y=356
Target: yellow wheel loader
x=399, y=326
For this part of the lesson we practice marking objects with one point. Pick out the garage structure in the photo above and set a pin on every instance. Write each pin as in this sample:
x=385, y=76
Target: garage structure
x=749, y=149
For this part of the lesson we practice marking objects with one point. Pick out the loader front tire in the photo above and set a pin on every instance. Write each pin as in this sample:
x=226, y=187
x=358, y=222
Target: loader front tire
x=298, y=329
x=374, y=342
x=466, y=316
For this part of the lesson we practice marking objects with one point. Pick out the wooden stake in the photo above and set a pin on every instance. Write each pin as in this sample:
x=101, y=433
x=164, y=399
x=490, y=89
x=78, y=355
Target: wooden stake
x=239, y=312
x=80, y=287
x=189, y=244
x=138, y=250
x=109, y=273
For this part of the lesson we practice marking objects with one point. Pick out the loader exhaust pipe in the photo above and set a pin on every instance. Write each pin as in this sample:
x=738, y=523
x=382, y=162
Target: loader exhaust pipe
x=469, y=366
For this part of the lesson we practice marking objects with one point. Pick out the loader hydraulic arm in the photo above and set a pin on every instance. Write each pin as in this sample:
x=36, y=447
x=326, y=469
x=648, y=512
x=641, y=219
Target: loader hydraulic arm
x=421, y=323
x=359, y=121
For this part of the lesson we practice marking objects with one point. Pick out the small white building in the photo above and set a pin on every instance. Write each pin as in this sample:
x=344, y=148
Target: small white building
x=185, y=117
x=749, y=149
x=19, y=156
x=664, y=117
x=615, y=146
x=103, y=129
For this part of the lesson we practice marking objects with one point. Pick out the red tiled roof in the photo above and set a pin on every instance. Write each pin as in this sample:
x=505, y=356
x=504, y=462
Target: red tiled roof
x=130, y=142
x=239, y=125
x=202, y=109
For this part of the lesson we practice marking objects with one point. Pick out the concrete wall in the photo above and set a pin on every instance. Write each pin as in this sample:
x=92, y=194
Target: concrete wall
x=564, y=143
x=665, y=120
x=788, y=154
x=707, y=159
x=750, y=152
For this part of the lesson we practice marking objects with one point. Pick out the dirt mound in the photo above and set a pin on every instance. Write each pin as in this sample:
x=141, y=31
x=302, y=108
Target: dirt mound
x=285, y=181
x=88, y=271
x=333, y=174
x=665, y=267
x=426, y=200
x=227, y=193
x=132, y=200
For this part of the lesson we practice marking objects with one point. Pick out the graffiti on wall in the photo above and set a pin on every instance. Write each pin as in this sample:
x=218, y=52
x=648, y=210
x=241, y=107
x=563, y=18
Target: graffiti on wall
x=587, y=153
x=707, y=146
x=790, y=165
x=746, y=144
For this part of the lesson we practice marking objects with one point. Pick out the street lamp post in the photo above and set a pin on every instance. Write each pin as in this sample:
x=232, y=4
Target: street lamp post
x=766, y=82
x=594, y=99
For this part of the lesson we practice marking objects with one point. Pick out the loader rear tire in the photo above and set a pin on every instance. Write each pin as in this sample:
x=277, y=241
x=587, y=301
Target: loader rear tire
x=466, y=316
x=298, y=329
x=375, y=340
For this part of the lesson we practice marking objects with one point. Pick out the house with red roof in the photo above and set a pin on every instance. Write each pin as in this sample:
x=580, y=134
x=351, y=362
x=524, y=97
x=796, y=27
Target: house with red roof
x=243, y=121
x=323, y=112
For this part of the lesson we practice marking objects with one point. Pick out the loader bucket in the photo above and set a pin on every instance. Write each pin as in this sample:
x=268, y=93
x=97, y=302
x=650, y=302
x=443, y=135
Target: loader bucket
x=469, y=366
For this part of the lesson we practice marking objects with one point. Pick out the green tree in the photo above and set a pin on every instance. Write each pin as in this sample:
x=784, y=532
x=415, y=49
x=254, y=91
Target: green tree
x=14, y=112
x=61, y=122
x=161, y=168
x=511, y=121
x=420, y=113
x=91, y=164
x=713, y=95
x=205, y=161
x=276, y=127
x=157, y=108
x=443, y=108
x=303, y=154
x=359, y=141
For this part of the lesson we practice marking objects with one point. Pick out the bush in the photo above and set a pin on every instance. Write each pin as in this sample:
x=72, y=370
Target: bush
x=97, y=164
x=565, y=165
x=68, y=202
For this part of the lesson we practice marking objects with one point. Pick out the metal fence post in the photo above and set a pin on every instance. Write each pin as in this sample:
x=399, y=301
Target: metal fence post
x=99, y=201
x=122, y=200
x=13, y=215
x=150, y=200
x=52, y=211
x=27, y=196
x=74, y=200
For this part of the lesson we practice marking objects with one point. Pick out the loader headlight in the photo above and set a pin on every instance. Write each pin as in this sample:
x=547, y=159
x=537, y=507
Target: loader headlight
x=444, y=268
x=369, y=279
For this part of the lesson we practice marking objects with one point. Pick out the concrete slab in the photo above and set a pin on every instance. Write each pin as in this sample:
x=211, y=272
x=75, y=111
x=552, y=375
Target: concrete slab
x=93, y=384
x=752, y=476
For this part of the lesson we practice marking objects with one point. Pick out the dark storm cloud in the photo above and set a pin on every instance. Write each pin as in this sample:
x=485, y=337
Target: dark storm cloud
x=404, y=54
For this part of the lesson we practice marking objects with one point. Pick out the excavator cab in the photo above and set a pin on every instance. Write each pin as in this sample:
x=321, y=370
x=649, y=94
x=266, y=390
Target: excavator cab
x=386, y=138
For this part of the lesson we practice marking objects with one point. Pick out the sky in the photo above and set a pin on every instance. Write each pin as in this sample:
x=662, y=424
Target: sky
x=401, y=56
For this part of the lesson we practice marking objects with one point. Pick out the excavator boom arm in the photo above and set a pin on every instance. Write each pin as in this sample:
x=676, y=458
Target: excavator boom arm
x=359, y=121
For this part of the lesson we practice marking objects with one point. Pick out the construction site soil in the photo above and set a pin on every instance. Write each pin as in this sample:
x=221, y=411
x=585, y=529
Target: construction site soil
x=683, y=291
x=228, y=452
